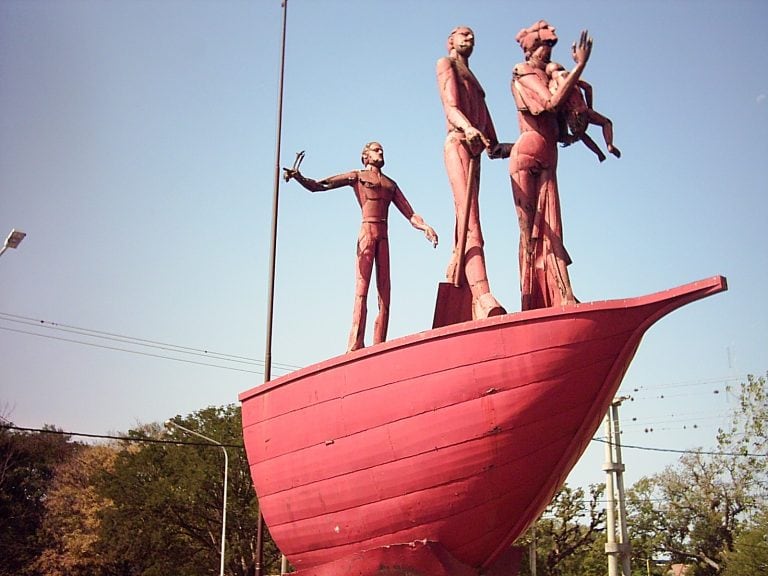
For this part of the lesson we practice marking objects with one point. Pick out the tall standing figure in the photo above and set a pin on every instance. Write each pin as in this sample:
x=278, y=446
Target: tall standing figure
x=470, y=131
x=374, y=192
x=543, y=259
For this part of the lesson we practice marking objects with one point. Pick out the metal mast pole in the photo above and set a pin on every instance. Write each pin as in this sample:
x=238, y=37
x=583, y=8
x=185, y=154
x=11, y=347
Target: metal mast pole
x=272, y=259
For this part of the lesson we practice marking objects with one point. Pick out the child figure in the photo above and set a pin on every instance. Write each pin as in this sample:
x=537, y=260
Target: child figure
x=577, y=114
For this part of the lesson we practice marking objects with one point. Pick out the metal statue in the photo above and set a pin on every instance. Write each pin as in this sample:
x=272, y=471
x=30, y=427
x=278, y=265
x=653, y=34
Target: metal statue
x=470, y=131
x=543, y=259
x=374, y=192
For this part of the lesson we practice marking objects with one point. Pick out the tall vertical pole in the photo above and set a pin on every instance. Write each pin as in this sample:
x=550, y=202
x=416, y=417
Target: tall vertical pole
x=625, y=549
x=275, y=206
x=611, y=548
x=617, y=546
x=272, y=261
x=224, y=505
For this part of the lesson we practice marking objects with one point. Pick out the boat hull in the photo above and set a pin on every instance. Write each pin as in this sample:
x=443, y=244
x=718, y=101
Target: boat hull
x=458, y=436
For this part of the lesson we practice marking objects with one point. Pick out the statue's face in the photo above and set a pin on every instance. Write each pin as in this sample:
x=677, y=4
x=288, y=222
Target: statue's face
x=374, y=155
x=543, y=52
x=463, y=40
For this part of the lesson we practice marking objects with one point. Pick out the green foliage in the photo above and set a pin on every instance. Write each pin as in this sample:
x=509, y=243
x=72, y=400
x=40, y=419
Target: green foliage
x=133, y=508
x=750, y=549
x=27, y=467
x=166, y=510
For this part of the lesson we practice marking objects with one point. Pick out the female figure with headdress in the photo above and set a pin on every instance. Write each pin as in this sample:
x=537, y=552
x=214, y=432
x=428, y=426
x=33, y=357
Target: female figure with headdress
x=543, y=259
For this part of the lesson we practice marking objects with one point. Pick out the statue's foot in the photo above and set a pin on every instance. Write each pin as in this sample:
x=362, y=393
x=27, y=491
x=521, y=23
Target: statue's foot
x=485, y=306
x=355, y=346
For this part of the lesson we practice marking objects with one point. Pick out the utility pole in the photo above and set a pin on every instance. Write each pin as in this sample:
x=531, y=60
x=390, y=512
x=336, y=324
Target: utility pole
x=617, y=546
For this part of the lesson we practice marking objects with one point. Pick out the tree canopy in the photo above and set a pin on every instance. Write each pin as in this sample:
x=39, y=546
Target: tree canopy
x=149, y=505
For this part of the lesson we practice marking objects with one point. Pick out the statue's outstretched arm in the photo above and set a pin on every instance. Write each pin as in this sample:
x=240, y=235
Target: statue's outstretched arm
x=323, y=185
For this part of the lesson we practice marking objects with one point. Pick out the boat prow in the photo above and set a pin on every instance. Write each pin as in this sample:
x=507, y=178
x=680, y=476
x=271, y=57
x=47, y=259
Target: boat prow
x=457, y=437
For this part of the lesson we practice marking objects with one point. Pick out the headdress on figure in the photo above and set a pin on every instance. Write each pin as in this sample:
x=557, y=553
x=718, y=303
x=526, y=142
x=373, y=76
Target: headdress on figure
x=532, y=37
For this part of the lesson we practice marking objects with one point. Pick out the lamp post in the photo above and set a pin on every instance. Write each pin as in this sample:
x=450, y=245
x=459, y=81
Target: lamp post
x=13, y=240
x=226, y=468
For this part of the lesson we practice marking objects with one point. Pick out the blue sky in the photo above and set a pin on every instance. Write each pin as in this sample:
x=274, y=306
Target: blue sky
x=137, y=151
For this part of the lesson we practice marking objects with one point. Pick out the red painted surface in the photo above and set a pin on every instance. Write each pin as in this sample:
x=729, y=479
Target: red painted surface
x=457, y=436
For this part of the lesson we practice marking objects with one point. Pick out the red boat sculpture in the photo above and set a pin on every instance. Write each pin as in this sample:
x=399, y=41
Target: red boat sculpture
x=431, y=454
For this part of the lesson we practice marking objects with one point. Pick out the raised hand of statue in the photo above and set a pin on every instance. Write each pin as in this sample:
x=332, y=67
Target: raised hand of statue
x=289, y=173
x=293, y=172
x=582, y=49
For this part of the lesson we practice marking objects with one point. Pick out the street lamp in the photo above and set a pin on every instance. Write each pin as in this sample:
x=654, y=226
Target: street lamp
x=226, y=468
x=13, y=240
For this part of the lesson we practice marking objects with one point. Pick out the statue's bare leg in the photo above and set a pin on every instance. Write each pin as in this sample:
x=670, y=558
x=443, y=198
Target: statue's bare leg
x=592, y=145
x=525, y=205
x=383, y=286
x=605, y=123
x=457, y=165
x=363, y=269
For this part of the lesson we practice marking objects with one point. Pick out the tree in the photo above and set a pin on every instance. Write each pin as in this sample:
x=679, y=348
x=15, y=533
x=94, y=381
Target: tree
x=27, y=467
x=70, y=529
x=704, y=500
x=568, y=533
x=165, y=516
x=750, y=549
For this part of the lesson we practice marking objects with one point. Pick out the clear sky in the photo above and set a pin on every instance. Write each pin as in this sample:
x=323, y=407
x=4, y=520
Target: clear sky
x=137, y=151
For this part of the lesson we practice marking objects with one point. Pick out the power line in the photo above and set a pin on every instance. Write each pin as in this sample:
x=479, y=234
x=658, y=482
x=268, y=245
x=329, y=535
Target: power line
x=144, y=439
x=671, y=450
x=134, y=341
x=159, y=441
x=139, y=352
x=688, y=384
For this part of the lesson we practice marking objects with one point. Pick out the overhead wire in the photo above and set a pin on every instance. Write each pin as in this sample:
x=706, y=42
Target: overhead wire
x=135, y=341
x=144, y=439
x=11, y=426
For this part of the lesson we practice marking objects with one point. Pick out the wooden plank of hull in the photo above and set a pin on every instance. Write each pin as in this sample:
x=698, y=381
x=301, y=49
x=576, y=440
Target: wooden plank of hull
x=459, y=435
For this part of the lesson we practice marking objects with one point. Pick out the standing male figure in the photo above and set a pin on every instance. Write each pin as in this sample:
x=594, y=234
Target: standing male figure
x=470, y=131
x=374, y=192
